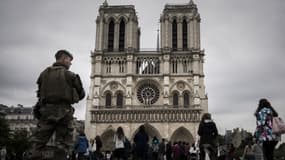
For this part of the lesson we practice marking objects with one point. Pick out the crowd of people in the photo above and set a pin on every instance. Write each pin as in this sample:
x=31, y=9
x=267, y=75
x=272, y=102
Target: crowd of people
x=142, y=148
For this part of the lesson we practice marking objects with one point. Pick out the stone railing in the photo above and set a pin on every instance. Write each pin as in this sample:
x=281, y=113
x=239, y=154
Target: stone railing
x=122, y=115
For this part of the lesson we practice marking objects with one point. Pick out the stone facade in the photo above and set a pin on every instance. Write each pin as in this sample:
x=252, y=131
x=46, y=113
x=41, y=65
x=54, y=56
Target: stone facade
x=162, y=89
x=20, y=118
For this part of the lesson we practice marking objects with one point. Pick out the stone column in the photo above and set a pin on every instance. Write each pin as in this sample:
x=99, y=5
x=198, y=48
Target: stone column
x=166, y=73
x=191, y=30
x=101, y=31
x=162, y=34
x=198, y=34
x=116, y=36
x=179, y=34
x=129, y=83
x=97, y=33
x=188, y=34
x=130, y=34
x=167, y=33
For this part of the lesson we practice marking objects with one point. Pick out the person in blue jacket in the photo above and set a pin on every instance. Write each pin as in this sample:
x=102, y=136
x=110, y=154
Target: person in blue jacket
x=81, y=146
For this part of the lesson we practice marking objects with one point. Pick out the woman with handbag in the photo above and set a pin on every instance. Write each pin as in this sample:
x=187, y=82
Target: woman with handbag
x=264, y=115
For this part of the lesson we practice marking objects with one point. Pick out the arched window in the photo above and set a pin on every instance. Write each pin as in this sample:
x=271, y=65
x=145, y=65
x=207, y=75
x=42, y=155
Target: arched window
x=122, y=36
x=186, y=99
x=108, y=100
x=184, y=34
x=111, y=36
x=175, y=99
x=119, y=100
x=174, y=35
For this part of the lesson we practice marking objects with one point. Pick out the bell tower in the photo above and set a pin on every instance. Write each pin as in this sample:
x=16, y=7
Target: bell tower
x=180, y=27
x=117, y=29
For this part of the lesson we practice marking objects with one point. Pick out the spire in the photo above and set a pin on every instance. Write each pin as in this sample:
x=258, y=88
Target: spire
x=105, y=3
x=191, y=2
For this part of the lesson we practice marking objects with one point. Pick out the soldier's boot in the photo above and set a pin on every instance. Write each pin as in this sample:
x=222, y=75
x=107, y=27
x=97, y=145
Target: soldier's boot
x=34, y=155
x=60, y=154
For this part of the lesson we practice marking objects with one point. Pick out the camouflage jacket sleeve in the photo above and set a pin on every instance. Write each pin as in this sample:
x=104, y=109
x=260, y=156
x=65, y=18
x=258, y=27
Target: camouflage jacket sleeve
x=76, y=83
x=39, y=83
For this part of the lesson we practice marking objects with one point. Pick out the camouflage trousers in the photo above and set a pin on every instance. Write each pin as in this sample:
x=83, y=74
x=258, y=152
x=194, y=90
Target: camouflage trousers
x=58, y=120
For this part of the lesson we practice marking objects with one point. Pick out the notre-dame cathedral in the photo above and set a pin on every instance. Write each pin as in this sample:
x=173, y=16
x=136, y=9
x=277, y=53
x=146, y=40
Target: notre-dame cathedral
x=162, y=89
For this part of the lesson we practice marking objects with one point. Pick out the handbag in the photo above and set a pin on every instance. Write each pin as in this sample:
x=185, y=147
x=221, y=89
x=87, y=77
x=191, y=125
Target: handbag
x=278, y=125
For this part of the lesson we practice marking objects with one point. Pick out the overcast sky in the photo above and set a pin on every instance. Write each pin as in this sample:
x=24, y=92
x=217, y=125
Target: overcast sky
x=244, y=42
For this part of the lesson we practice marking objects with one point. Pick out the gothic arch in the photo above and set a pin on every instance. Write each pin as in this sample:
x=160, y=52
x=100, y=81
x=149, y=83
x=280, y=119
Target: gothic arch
x=182, y=134
x=113, y=86
x=108, y=98
x=175, y=98
x=150, y=130
x=150, y=81
x=122, y=34
x=108, y=19
x=186, y=87
x=120, y=98
x=107, y=138
x=111, y=34
x=173, y=18
x=174, y=34
x=124, y=18
x=186, y=98
x=184, y=34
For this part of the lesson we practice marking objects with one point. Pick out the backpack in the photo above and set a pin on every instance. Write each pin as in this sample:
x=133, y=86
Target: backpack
x=127, y=144
x=55, y=87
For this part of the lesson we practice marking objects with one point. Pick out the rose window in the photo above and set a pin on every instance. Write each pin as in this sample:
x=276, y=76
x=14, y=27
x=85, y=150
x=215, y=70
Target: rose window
x=148, y=93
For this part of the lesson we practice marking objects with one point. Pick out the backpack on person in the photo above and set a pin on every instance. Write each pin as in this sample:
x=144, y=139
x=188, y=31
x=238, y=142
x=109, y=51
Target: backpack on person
x=55, y=87
x=127, y=144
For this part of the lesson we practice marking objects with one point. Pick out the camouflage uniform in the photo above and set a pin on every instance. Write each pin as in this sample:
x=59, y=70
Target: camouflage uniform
x=56, y=112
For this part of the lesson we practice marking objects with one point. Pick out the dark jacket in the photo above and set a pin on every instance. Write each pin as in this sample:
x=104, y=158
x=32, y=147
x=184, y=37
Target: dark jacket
x=141, y=143
x=208, y=132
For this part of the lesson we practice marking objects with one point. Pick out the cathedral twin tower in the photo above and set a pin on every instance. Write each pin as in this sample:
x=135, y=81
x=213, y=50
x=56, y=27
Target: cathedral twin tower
x=161, y=89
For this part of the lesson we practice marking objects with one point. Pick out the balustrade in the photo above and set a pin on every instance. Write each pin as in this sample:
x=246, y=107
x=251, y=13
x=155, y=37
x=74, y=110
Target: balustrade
x=143, y=115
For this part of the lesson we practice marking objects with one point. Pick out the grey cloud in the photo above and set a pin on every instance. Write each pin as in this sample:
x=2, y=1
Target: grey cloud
x=243, y=41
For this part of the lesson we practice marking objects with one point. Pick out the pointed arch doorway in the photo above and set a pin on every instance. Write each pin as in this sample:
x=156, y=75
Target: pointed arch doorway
x=183, y=135
x=150, y=130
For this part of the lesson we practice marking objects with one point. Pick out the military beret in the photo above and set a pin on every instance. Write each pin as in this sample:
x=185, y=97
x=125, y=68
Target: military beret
x=59, y=53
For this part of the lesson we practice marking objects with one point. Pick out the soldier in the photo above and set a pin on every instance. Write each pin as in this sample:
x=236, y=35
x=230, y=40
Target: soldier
x=58, y=88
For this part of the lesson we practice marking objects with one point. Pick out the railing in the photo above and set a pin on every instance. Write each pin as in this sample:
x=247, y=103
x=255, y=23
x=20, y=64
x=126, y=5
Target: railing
x=145, y=115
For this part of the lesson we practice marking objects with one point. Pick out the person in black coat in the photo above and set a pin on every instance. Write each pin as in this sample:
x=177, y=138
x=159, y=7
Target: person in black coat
x=208, y=137
x=141, y=144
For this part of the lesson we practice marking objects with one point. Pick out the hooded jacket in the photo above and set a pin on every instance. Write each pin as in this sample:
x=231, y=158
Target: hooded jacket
x=208, y=132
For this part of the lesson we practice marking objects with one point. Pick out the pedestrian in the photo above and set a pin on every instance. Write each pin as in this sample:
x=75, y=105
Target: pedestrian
x=231, y=152
x=193, y=152
x=3, y=153
x=208, y=137
x=81, y=146
x=248, y=153
x=177, y=151
x=119, y=139
x=257, y=148
x=169, y=151
x=264, y=115
x=97, y=148
x=58, y=89
x=161, y=149
x=141, y=144
x=155, y=147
